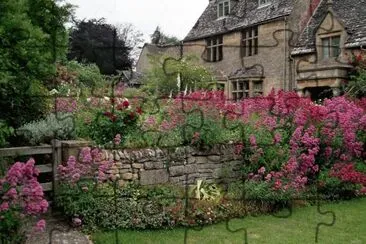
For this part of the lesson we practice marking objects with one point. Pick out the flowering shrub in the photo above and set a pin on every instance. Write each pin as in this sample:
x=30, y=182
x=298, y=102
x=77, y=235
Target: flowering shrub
x=21, y=196
x=122, y=120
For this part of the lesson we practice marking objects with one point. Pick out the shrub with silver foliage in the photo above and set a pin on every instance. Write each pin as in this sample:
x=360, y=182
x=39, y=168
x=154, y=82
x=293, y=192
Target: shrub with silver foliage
x=55, y=126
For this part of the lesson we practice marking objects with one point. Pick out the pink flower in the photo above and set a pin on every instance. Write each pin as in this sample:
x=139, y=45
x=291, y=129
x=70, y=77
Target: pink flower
x=277, y=184
x=277, y=138
x=76, y=221
x=268, y=177
x=253, y=140
x=117, y=139
x=262, y=170
x=4, y=206
x=41, y=225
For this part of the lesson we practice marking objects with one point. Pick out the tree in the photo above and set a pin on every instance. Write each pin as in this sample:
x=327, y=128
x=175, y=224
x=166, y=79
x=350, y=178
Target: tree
x=170, y=76
x=132, y=37
x=159, y=38
x=94, y=41
x=32, y=38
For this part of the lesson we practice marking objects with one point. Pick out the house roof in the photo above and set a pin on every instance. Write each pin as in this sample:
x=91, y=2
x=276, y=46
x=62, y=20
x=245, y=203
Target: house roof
x=243, y=13
x=351, y=13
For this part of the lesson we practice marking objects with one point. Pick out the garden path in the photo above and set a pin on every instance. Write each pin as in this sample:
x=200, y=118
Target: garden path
x=57, y=232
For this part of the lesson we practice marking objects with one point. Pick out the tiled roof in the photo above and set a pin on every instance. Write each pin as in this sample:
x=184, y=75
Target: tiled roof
x=243, y=13
x=351, y=13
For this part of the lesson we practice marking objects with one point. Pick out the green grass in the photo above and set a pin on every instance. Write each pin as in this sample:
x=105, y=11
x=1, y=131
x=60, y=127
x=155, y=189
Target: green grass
x=349, y=227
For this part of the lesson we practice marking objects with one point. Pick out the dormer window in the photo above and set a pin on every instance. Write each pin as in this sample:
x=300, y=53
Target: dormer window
x=263, y=3
x=223, y=8
x=330, y=47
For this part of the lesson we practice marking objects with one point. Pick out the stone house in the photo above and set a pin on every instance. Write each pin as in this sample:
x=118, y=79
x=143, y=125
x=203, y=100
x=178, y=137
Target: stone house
x=253, y=46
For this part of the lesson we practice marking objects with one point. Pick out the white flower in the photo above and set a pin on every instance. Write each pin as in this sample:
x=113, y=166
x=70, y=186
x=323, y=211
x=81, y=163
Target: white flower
x=178, y=82
x=88, y=99
x=106, y=98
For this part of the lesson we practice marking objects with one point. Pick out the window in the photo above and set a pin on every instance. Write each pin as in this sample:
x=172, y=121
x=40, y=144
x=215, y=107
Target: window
x=214, y=49
x=331, y=47
x=246, y=88
x=257, y=88
x=240, y=89
x=250, y=41
x=262, y=3
x=223, y=8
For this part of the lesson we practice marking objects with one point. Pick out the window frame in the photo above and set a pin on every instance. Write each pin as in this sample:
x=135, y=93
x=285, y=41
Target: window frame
x=214, y=49
x=333, y=51
x=249, y=41
x=240, y=91
x=221, y=8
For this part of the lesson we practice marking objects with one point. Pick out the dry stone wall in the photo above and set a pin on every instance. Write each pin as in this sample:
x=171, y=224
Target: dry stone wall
x=183, y=165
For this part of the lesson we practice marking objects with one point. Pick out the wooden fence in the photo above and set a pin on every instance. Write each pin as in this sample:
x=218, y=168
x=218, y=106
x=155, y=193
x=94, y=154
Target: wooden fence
x=54, y=149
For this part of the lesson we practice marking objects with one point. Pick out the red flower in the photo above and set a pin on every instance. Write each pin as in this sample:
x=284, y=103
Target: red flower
x=139, y=110
x=113, y=118
x=113, y=100
x=125, y=104
x=108, y=114
x=359, y=58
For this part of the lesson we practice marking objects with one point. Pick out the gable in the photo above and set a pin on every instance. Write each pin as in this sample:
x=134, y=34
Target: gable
x=350, y=15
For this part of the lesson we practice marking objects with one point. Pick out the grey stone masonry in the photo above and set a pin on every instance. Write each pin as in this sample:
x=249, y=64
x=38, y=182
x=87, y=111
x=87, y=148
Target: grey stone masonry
x=180, y=165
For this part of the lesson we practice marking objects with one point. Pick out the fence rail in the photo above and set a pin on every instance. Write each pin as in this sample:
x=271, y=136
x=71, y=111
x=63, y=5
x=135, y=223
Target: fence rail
x=54, y=149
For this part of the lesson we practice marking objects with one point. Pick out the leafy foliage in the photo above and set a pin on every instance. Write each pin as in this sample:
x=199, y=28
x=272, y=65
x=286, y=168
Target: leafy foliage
x=94, y=41
x=28, y=53
x=54, y=126
x=163, y=79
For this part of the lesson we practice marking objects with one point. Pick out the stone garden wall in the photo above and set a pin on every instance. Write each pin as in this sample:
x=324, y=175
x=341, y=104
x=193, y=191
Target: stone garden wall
x=183, y=165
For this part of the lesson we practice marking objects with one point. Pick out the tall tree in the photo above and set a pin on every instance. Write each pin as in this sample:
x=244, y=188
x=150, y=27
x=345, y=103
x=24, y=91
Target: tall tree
x=132, y=37
x=28, y=52
x=94, y=41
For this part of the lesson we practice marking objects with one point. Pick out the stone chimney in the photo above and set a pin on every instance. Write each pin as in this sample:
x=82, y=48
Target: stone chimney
x=312, y=5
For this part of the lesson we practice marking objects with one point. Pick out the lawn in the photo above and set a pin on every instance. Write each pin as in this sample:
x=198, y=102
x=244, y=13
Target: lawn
x=299, y=227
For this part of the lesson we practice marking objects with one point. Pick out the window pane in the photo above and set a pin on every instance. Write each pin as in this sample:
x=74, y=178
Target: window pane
x=234, y=86
x=256, y=31
x=256, y=46
x=214, y=54
x=220, y=53
x=250, y=46
x=221, y=9
x=240, y=95
x=209, y=58
x=336, y=46
x=246, y=85
x=234, y=96
x=325, y=47
x=220, y=40
x=241, y=85
x=227, y=9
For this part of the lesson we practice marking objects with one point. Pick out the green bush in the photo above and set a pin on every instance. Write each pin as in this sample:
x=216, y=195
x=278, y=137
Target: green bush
x=5, y=133
x=161, y=80
x=55, y=126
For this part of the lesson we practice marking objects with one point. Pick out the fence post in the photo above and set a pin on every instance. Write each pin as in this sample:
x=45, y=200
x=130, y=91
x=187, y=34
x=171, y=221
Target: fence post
x=56, y=160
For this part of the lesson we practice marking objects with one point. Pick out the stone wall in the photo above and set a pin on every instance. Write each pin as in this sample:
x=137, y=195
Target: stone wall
x=183, y=165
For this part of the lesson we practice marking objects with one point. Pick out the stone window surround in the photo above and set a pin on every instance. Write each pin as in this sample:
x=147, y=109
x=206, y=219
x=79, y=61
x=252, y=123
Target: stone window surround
x=245, y=91
x=249, y=50
x=217, y=48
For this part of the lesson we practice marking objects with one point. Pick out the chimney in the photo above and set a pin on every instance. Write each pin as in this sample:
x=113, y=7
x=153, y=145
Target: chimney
x=313, y=4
